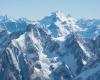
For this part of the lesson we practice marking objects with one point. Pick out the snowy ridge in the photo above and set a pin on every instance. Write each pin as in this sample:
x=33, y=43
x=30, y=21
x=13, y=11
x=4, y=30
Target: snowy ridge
x=54, y=48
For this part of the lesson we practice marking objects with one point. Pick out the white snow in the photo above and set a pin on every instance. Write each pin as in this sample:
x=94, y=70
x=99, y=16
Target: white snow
x=62, y=38
x=13, y=58
x=20, y=42
x=61, y=16
x=61, y=28
x=84, y=49
x=84, y=62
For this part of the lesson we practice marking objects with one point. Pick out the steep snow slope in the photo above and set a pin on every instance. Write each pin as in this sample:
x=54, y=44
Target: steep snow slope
x=13, y=25
x=58, y=25
x=50, y=49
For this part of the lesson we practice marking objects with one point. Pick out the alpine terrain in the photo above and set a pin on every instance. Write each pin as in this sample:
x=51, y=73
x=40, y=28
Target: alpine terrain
x=57, y=47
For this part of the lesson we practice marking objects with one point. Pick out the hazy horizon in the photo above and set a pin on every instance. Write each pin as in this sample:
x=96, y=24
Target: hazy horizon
x=38, y=9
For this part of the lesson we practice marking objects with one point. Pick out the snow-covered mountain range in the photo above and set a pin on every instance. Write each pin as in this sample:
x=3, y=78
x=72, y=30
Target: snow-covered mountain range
x=54, y=48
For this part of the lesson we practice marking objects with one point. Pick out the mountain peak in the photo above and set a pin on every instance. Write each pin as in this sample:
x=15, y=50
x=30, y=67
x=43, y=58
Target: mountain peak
x=69, y=15
x=60, y=15
x=57, y=12
x=53, y=17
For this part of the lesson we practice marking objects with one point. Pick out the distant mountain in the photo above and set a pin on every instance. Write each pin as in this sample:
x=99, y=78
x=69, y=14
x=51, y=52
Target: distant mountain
x=13, y=25
x=91, y=26
x=54, y=48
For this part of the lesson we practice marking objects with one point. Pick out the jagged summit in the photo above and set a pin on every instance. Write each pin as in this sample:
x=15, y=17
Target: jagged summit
x=69, y=15
x=59, y=24
x=53, y=17
x=51, y=49
x=55, y=24
x=59, y=15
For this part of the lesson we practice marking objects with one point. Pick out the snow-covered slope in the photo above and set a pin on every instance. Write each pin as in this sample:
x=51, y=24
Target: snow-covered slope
x=12, y=25
x=91, y=27
x=54, y=48
x=58, y=25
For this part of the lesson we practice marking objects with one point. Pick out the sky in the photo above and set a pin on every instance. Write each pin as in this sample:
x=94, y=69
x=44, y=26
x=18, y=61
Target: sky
x=37, y=9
